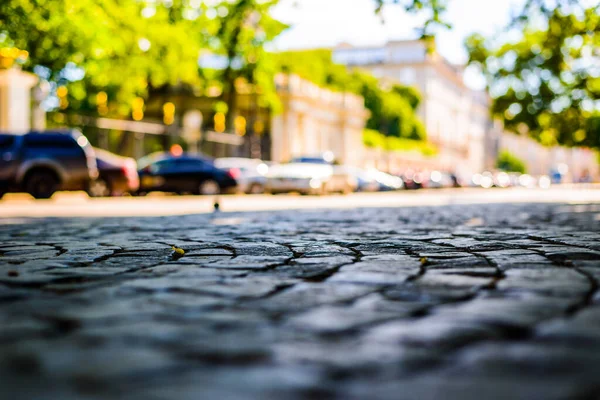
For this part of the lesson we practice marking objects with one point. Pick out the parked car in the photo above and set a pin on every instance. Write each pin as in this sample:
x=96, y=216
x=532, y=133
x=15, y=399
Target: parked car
x=412, y=179
x=249, y=173
x=41, y=163
x=365, y=182
x=326, y=158
x=438, y=180
x=117, y=175
x=308, y=178
x=386, y=181
x=183, y=174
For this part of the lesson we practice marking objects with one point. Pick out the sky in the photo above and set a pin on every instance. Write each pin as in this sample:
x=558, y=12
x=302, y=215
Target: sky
x=326, y=23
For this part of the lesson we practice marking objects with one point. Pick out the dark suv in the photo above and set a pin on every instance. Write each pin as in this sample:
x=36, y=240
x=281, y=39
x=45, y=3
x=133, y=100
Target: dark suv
x=40, y=163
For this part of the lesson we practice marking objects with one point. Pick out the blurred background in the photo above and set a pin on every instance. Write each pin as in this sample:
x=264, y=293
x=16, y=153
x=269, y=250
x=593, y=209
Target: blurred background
x=311, y=96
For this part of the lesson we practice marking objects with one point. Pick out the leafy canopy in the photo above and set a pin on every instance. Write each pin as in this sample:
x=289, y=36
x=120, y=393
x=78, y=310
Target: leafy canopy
x=121, y=47
x=433, y=9
x=544, y=72
x=510, y=163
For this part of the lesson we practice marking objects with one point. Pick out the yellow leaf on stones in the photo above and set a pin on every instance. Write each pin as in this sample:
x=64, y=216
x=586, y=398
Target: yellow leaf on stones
x=423, y=260
x=178, y=251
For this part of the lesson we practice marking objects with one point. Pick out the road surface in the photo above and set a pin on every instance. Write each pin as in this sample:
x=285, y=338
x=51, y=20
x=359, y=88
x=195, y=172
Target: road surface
x=80, y=205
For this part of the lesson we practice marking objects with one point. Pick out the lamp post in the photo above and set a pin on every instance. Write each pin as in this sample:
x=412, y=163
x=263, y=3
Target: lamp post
x=192, y=125
x=255, y=150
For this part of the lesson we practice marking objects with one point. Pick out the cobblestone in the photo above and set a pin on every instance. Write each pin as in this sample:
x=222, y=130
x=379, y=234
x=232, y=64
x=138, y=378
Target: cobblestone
x=456, y=302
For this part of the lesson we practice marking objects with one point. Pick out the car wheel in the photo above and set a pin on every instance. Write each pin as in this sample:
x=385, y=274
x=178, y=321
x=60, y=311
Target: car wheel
x=99, y=188
x=256, y=188
x=209, y=187
x=41, y=184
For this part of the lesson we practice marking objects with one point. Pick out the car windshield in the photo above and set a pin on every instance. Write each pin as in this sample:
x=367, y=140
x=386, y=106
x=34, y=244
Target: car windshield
x=311, y=160
x=149, y=159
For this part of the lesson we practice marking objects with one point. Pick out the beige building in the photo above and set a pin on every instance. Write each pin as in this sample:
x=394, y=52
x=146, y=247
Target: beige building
x=314, y=120
x=456, y=118
x=541, y=160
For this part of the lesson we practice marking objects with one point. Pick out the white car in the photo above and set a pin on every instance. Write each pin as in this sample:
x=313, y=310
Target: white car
x=307, y=178
x=365, y=181
x=386, y=181
x=249, y=173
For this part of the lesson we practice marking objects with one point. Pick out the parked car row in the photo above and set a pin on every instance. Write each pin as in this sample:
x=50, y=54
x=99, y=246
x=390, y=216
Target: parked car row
x=41, y=163
x=439, y=179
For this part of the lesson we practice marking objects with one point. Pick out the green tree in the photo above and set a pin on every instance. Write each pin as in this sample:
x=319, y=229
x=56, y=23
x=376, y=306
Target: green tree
x=510, y=163
x=433, y=9
x=124, y=48
x=546, y=82
x=244, y=30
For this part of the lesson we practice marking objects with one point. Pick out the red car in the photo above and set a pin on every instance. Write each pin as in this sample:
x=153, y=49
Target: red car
x=117, y=175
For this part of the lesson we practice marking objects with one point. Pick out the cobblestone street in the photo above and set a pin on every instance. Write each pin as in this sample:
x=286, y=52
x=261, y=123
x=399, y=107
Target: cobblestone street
x=456, y=302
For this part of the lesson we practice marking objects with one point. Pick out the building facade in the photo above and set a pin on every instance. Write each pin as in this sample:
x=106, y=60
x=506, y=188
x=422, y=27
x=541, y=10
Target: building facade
x=314, y=120
x=456, y=118
x=573, y=163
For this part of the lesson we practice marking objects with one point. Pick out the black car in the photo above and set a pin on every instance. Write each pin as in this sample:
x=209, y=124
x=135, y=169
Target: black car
x=183, y=174
x=40, y=163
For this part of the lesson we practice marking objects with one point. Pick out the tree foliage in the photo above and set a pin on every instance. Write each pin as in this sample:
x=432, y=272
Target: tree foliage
x=433, y=9
x=375, y=139
x=116, y=51
x=243, y=31
x=130, y=48
x=510, y=163
x=545, y=80
x=120, y=47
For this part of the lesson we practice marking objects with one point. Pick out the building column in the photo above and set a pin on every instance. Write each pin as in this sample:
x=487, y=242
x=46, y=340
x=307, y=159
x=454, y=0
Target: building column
x=15, y=100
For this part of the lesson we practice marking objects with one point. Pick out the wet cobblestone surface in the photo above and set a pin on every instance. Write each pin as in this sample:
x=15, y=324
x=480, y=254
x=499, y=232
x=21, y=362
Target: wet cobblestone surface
x=457, y=302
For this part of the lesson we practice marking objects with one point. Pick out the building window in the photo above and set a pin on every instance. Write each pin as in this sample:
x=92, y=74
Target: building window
x=408, y=76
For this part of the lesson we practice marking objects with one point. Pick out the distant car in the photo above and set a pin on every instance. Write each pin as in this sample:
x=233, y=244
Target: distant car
x=365, y=182
x=327, y=158
x=183, y=174
x=386, y=181
x=412, y=179
x=308, y=178
x=249, y=173
x=41, y=163
x=117, y=175
x=438, y=180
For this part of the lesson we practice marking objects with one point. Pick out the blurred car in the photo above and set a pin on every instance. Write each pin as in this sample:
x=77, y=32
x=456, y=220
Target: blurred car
x=412, y=179
x=544, y=182
x=365, y=182
x=502, y=180
x=41, y=163
x=183, y=174
x=438, y=180
x=386, y=181
x=309, y=178
x=526, y=180
x=117, y=175
x=326, y=158
x=484, y=180
x=249, y=173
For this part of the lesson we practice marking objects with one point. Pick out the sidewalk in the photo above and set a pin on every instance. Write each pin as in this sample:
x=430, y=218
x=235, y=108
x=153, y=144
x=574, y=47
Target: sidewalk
x=456, y=302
